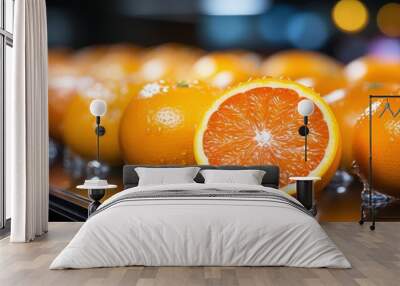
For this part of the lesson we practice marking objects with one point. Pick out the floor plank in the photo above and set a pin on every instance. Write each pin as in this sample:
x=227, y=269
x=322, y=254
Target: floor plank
x=375, y=257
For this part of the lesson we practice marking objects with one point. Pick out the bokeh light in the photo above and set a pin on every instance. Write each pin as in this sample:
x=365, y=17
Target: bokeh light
x=225, y=31
x=387, y=48
x=351, y=47
x=62, y=32
x=234, y=8
x=350, y=15
x=389, y=19
x=302, y=36
x=273, y=24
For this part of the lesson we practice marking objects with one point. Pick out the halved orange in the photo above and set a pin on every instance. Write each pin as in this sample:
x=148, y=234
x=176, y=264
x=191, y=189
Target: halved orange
x=256, y=123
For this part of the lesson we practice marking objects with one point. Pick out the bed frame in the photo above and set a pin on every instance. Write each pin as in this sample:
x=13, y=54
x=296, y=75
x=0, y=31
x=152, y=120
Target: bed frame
x=271, y=177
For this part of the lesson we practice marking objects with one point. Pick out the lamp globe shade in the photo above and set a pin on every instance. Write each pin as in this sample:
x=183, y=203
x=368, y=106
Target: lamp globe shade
x=98, y=107
x=305, y=107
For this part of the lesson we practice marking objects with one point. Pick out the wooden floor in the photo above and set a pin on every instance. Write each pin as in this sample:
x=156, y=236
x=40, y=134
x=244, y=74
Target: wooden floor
x=375, y=257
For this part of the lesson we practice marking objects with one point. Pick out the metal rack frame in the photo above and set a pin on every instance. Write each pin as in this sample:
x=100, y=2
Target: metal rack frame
x=371, y=206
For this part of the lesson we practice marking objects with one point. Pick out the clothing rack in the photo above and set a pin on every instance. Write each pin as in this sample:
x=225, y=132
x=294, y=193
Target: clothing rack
x=372, y=205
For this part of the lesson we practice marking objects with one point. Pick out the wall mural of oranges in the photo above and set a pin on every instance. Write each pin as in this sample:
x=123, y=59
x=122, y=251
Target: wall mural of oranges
x=175, y=104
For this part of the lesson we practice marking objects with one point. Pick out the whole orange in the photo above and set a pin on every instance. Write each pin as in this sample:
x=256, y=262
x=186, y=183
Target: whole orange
x=86, y=57
x=158, y=125
x=69, y=72
x=312, y=69
x=59, y=60
x=79, y=124
x=63, y=76
x=222, y=69
x=348, y=104
x=385, y=146
x=169, y=61
x=117, y=62
x=374, y=69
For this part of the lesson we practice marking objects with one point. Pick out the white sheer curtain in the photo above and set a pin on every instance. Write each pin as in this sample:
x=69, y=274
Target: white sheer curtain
x=27, y=124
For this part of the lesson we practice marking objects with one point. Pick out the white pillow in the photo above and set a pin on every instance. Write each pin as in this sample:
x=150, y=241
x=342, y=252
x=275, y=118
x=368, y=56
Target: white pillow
x=165, y=176
x=248, y=177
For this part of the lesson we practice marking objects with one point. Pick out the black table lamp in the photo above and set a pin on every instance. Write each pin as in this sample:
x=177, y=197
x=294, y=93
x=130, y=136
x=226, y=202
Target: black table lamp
x=98, y=108
x=305, y=107
x=96, y=187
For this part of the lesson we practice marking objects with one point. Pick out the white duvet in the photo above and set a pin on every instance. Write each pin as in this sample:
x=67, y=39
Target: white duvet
x=200, y=231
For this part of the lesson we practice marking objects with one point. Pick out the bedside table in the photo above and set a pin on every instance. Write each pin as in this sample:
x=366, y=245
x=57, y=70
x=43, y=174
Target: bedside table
x=305, y=192
x=96, y=193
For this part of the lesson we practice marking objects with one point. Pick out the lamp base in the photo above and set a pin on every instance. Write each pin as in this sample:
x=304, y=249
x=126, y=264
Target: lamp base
x=100, y=130
x=95, y=195
x=304, y=131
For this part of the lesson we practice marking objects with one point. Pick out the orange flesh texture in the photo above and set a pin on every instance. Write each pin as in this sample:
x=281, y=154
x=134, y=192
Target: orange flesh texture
x=270, y=113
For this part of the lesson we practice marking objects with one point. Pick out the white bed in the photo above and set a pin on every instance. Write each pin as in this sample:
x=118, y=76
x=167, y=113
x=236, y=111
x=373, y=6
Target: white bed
x=247, y=226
